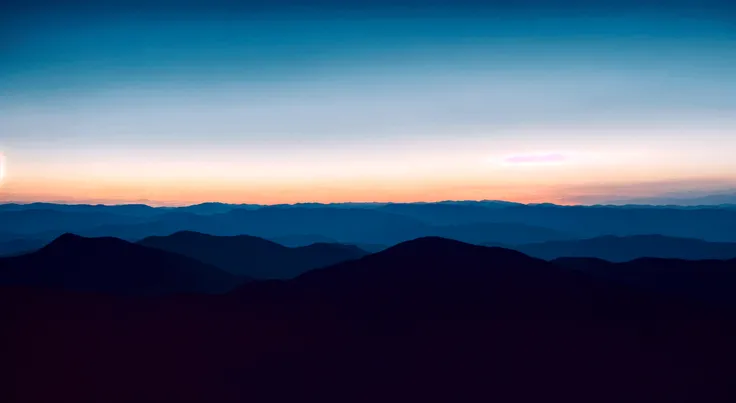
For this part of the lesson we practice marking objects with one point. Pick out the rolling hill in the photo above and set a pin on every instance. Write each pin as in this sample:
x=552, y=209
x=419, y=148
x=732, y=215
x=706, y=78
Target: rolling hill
x=513, y=328
x=113, y=266
x=252, y=256
x=622, y=249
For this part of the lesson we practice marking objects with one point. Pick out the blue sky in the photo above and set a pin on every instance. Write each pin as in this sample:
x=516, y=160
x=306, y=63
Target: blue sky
x=279, y=102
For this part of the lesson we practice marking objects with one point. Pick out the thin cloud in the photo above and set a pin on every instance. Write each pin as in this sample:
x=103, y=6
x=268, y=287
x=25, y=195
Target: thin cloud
x=551, y=158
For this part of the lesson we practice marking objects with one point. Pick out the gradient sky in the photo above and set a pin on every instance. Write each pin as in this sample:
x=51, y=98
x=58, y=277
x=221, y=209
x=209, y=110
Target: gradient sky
x=288, y=101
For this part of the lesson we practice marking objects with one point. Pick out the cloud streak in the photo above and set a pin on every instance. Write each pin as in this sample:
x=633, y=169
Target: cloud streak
x=549, y=158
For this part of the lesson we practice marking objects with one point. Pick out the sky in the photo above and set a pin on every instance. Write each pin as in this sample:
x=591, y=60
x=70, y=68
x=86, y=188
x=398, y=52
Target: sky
x=287, y=101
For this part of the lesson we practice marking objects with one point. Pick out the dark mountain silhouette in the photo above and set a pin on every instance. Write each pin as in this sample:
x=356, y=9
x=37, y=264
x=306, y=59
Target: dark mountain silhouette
x=623, y=249
x=296, y=240
x=706, y=280
x=253, y=256
x=371, y=247
x=515, y=329
x=446, y=274
x=112, y=265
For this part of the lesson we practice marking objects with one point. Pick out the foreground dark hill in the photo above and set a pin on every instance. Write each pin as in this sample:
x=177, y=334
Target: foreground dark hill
x=252, y=256
x=622, y=249
x=514, y=329
x=704, y=280
x=111, y=265
x=433, y=276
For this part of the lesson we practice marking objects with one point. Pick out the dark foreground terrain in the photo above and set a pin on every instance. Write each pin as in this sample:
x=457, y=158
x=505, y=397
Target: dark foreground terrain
x=426, y=320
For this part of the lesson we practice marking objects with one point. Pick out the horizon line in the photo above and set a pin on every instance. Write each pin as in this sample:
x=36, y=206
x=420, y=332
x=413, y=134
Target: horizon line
x=155, y=205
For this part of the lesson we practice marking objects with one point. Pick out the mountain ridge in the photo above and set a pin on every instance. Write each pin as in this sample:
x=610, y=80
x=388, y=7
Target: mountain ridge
x=253, y=256
x=112, y=265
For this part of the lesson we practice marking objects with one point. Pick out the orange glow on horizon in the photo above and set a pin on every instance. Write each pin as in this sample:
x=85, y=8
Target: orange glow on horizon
x=161, y=193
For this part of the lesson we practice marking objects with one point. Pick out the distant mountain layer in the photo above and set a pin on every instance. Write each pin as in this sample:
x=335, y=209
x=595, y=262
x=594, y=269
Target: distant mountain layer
x=622, y=249
x=371, y=224
x=19, y=246
x=252, y=256
x=344, y=225
x=113, y=266
x=709, y=200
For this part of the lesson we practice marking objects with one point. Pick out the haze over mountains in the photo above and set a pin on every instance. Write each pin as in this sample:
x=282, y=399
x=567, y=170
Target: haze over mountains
x=726, y=200
x=366, y=224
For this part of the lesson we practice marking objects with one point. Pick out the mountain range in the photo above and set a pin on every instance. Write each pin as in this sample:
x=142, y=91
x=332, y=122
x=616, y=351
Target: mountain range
x=250, y=256
x=623, y=249
x=721, y=199
x=368, y=224
x=114, y=266
x=430, y=319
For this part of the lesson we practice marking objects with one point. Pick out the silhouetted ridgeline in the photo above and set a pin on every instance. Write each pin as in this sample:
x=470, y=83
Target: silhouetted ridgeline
x=622, y=249
x=251, y=256
x=448, y=320
x=113, y=266
x=705, y=280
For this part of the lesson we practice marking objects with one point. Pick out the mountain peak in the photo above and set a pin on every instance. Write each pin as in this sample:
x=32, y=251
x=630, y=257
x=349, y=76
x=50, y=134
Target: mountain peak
x=438, y=246
x=69, y=237
x=66, y=240
x=189, y=234
x=69, y=243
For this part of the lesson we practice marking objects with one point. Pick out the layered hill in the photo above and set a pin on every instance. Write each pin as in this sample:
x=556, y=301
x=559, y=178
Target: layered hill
x=252, y=256
x=513, y=329
x=622, y=249
x=111, y=265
